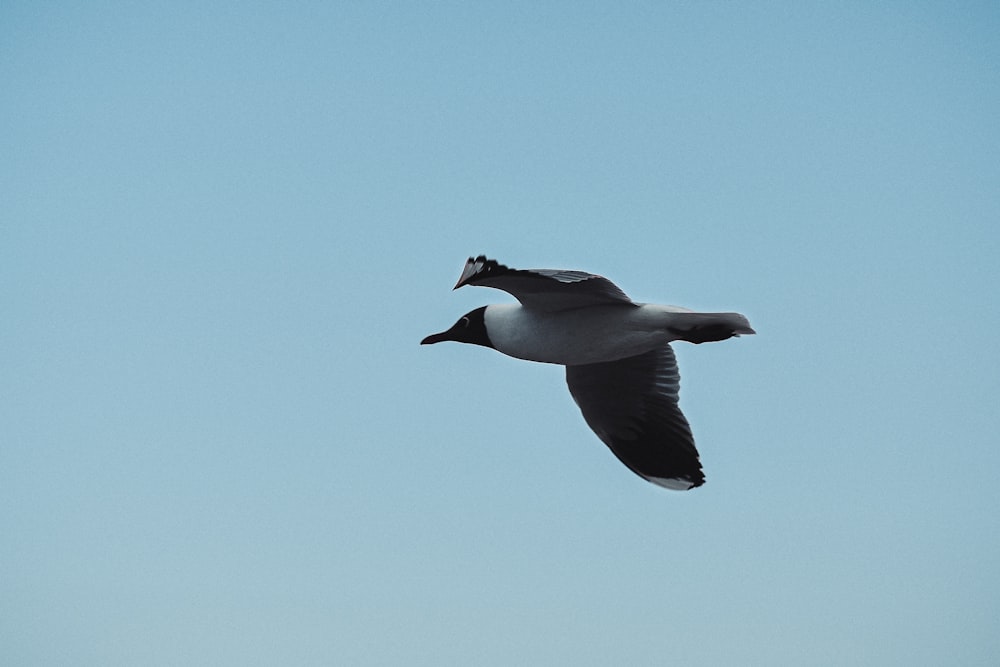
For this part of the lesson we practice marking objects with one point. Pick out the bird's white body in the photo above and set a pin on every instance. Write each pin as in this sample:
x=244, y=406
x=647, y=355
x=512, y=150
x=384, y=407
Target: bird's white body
x=581, y=335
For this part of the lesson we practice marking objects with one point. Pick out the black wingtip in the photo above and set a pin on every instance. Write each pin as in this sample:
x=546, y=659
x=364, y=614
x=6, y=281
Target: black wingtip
x=479, y=267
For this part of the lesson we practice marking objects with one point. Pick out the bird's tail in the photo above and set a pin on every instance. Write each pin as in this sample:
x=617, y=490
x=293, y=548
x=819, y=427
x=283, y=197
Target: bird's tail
x=708, y=327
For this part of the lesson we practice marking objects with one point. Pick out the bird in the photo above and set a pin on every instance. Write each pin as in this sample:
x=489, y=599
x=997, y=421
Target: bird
x=620, y=368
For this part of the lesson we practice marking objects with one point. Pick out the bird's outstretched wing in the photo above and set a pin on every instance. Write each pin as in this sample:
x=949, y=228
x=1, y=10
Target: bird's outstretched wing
x=544, y=289
x=631, y=404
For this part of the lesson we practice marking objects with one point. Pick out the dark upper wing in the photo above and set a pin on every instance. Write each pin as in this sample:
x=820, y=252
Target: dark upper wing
x=545, y=289
x=631, y=405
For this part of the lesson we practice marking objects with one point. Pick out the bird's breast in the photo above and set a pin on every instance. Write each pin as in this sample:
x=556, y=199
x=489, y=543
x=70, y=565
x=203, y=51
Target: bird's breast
x=587, y=335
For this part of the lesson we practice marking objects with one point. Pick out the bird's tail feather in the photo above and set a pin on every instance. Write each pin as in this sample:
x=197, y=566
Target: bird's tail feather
x=708, y=327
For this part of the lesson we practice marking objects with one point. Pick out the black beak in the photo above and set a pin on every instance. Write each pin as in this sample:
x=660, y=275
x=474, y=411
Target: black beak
x=435, y=338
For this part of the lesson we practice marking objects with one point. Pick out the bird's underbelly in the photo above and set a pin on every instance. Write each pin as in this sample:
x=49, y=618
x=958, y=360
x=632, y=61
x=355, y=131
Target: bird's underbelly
x=581, y=336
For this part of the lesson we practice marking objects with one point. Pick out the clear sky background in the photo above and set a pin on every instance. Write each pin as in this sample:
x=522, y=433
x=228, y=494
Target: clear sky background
x=225, y=227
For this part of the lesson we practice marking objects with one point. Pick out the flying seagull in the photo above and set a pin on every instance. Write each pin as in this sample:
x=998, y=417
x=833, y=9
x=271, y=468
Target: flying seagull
x=620, y=368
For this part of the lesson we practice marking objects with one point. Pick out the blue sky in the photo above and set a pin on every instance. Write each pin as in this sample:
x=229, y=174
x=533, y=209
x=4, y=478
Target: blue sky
x=226, y=226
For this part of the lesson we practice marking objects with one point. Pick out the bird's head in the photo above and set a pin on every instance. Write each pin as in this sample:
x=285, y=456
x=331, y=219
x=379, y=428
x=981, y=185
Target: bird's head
x=470, y=328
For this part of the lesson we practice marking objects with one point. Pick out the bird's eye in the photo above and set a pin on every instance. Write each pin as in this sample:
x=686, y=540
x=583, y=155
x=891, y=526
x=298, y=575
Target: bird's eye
x=465, y=322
